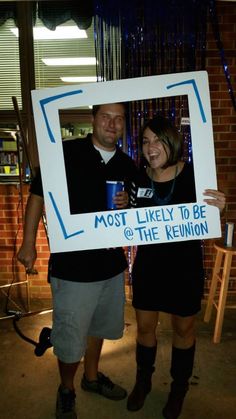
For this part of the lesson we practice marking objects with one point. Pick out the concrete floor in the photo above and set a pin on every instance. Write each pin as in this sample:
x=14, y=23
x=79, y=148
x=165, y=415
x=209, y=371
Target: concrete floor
x=28, y=383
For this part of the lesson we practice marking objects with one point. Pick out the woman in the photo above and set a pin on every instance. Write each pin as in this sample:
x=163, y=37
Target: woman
x=177, y=285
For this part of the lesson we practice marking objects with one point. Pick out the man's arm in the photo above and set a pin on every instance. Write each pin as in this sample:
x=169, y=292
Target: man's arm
x=34, y=209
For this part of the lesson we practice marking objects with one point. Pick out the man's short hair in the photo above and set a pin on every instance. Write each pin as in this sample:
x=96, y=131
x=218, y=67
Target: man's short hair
x=95, y=108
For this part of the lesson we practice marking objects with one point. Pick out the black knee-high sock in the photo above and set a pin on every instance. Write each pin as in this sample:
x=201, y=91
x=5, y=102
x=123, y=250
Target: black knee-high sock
x=182, y=364
x=145, y=356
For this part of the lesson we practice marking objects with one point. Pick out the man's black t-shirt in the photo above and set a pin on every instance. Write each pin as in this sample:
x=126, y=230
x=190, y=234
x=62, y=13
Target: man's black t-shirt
x=86, y=175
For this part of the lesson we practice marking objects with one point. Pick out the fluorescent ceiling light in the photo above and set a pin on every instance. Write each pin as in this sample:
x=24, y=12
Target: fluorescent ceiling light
x=89, y=79
x=70, y=61
x=61, y=32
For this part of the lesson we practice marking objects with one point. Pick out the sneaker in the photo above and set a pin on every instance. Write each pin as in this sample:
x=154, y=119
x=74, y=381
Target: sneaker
x=104, y=386
x=65, y=407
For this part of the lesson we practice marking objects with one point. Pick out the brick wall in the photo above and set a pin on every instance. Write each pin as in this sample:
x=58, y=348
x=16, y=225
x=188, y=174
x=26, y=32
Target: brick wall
x=10, y=240
x=224, y=127
x=224, y=119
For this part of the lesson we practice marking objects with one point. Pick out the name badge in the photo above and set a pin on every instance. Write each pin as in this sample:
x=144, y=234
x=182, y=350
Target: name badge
x=145, y=193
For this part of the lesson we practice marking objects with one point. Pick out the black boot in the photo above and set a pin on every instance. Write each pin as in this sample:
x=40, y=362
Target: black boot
x=145, y=358
x=181, y=371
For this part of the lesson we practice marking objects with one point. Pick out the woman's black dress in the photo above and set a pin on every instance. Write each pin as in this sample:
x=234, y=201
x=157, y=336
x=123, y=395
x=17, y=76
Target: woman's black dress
x=169, y=277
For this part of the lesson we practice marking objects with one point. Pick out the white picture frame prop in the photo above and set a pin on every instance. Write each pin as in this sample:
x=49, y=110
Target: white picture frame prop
x=127, y=227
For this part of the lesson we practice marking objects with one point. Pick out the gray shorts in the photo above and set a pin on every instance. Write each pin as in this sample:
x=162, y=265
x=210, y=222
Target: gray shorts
x=85, y=309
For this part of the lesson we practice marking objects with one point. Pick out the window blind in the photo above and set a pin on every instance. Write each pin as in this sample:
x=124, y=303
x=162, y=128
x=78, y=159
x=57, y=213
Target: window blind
x=49, y=76
x=10, y=84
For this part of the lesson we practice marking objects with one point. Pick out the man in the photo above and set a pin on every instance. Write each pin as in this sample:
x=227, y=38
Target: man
x=87, y=286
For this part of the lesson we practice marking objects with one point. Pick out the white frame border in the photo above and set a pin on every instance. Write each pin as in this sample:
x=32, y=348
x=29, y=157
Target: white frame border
x=130, y=226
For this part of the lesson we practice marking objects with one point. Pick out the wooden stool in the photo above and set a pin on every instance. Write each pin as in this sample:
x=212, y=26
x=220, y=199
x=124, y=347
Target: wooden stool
x=220, y=304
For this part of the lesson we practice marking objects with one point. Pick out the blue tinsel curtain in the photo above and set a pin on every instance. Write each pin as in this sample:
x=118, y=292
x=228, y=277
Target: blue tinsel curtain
x=108, y=49
x=151, y=37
